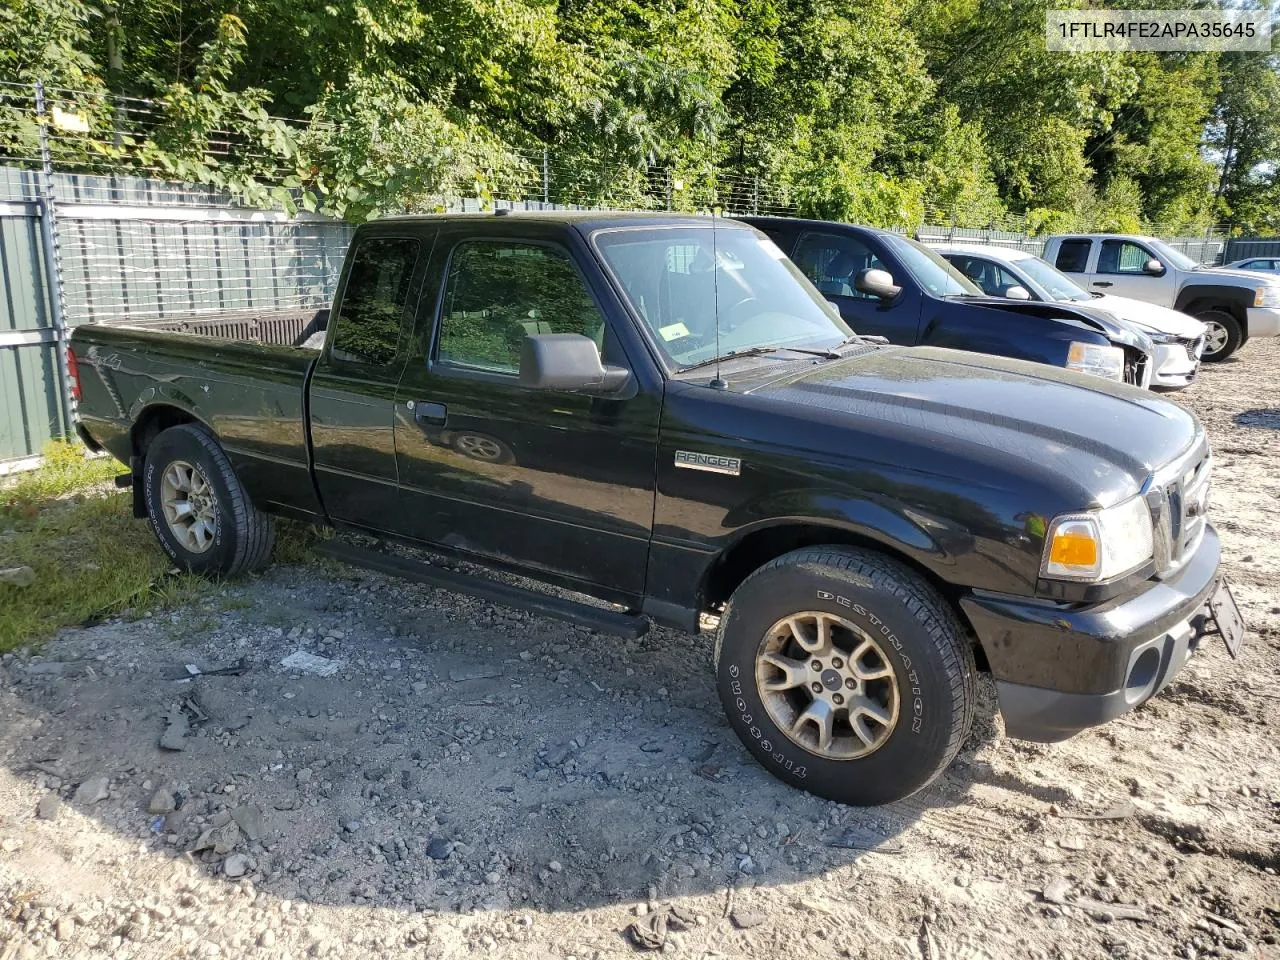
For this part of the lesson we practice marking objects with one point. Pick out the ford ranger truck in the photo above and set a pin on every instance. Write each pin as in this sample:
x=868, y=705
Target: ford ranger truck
x=1234, y=304
x=661, y=415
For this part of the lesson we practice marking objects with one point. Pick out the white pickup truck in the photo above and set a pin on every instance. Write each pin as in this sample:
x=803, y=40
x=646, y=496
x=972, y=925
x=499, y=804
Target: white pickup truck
x=1234, y=304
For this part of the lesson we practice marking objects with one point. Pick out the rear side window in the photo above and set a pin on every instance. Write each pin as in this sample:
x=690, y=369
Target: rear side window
x=497, y=294
x=1073, y=256
x=371, y=315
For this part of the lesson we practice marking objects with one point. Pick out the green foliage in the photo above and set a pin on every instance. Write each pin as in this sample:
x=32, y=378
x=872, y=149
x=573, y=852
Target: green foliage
x=884, y=111
x=65, y=469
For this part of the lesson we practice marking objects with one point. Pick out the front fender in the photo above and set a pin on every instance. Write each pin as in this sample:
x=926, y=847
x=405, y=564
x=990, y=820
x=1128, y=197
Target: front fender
x=929, y=540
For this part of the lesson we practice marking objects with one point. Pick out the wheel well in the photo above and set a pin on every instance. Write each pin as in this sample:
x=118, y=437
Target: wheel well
x=758, y=548
x=1234, y=309
x=152, y=422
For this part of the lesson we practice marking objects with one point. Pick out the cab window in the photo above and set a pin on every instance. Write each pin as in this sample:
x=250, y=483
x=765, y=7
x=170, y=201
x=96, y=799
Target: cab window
x=833, y=263
x=370, y=317
x=1122, y=256
x=1073, y=255
x=498, y=293
x=993, y=279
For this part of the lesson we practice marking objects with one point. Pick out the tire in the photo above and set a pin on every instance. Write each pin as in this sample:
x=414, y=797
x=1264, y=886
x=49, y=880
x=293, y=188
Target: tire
x=1227, y=328
x=916, y=637
x=234, y=537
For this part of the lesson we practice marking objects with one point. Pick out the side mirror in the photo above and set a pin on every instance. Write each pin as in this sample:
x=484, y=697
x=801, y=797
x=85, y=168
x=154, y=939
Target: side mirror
x=1017, y=292
x=568, y=362
x=1153, y=268
x=876, y=283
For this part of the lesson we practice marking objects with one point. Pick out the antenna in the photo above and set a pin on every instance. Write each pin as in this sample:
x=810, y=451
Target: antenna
x=717, y=383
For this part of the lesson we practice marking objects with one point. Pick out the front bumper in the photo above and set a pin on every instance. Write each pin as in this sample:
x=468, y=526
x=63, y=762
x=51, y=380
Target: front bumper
x=1176, y=364
x=1060, y=668
x=1263, y=321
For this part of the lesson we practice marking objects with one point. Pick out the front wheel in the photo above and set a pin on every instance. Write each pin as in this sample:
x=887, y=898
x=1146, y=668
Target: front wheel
x=201, y=514
x=1223, y=336
x=845, y=674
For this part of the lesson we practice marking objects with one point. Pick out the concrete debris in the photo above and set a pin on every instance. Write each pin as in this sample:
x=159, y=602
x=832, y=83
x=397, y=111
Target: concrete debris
x=309, y=663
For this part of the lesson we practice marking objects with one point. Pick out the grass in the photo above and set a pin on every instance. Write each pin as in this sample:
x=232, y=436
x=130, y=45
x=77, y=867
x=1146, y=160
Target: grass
x=90, y=556
x=65, y=470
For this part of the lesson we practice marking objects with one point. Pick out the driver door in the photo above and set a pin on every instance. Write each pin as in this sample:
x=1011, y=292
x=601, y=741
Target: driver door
x=556, y=482
x=1121, y=272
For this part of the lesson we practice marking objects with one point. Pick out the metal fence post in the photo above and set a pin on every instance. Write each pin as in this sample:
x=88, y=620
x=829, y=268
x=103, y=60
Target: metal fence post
x=755, y=195
x=53, y=257
x=546, y=177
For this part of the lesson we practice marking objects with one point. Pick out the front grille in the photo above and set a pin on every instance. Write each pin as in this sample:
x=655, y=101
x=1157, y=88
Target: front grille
x=1179, y=501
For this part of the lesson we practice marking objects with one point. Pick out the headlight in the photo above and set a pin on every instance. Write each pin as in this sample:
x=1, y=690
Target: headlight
x=1099, y=545
x=1096, y=359
x=1268, y=296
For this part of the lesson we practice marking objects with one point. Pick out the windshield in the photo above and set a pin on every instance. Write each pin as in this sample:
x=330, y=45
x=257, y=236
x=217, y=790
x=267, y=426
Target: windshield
x=1179, y=260
x=930, y=270
x=1055, y=283
x=754, y=296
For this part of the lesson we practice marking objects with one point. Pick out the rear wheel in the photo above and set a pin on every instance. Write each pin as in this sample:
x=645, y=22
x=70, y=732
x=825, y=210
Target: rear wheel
x=1223, y=337
x=845, y=674
x=199, y=511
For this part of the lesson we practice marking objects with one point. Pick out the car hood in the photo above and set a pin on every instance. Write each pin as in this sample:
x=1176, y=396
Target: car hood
x=1082, y=315
x=1150, y=316
x=1243, y=278
x=1106, y=437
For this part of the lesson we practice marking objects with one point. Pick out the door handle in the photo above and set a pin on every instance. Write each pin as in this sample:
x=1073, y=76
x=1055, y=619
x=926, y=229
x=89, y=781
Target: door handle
x=425, y=412
x=1102, y=283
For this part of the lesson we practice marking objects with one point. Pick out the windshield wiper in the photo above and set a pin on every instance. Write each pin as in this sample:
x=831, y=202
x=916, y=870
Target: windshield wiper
x=761, y=351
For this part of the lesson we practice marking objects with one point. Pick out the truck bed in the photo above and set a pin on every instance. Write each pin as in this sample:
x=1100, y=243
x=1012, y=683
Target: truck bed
x=240, y=374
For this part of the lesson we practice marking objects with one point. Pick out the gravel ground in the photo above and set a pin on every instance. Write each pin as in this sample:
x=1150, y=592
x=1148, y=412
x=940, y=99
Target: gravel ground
x=473, y=780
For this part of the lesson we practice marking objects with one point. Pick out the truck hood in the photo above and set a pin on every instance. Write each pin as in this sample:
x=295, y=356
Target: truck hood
x=1107, y=437
x=1150, y=316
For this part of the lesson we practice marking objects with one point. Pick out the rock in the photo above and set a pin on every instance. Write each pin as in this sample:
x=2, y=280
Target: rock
x=649, y=932
x=304, y=775
x=477, y=672
x=175, y=732
x=420, y=686
x=351, y=826
x=555, y=866
x=439, y=849
x=49, y=807
x=267, y=939
x=10, y=844
x=162, y=802
x=249, y=819
x=745, y=919
x=18, y=576
x=237, y=865
x=221, y=839
x=93, y=790
x=1056, y=890
x=64, y=928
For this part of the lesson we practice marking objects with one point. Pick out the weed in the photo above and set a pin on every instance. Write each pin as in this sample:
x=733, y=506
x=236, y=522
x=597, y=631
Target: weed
x=66, y=469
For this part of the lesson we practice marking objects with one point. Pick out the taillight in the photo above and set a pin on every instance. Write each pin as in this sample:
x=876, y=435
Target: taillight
x=73, y=374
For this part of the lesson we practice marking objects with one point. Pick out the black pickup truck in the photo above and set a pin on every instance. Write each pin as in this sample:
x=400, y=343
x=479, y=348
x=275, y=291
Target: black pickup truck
x=660, y=413
x=885, y=284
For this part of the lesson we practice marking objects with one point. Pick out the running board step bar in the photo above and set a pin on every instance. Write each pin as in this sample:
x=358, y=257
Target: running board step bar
x=613, y=622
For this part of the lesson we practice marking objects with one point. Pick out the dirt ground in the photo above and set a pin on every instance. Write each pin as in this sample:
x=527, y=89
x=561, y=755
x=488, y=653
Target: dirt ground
x=472, y=780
